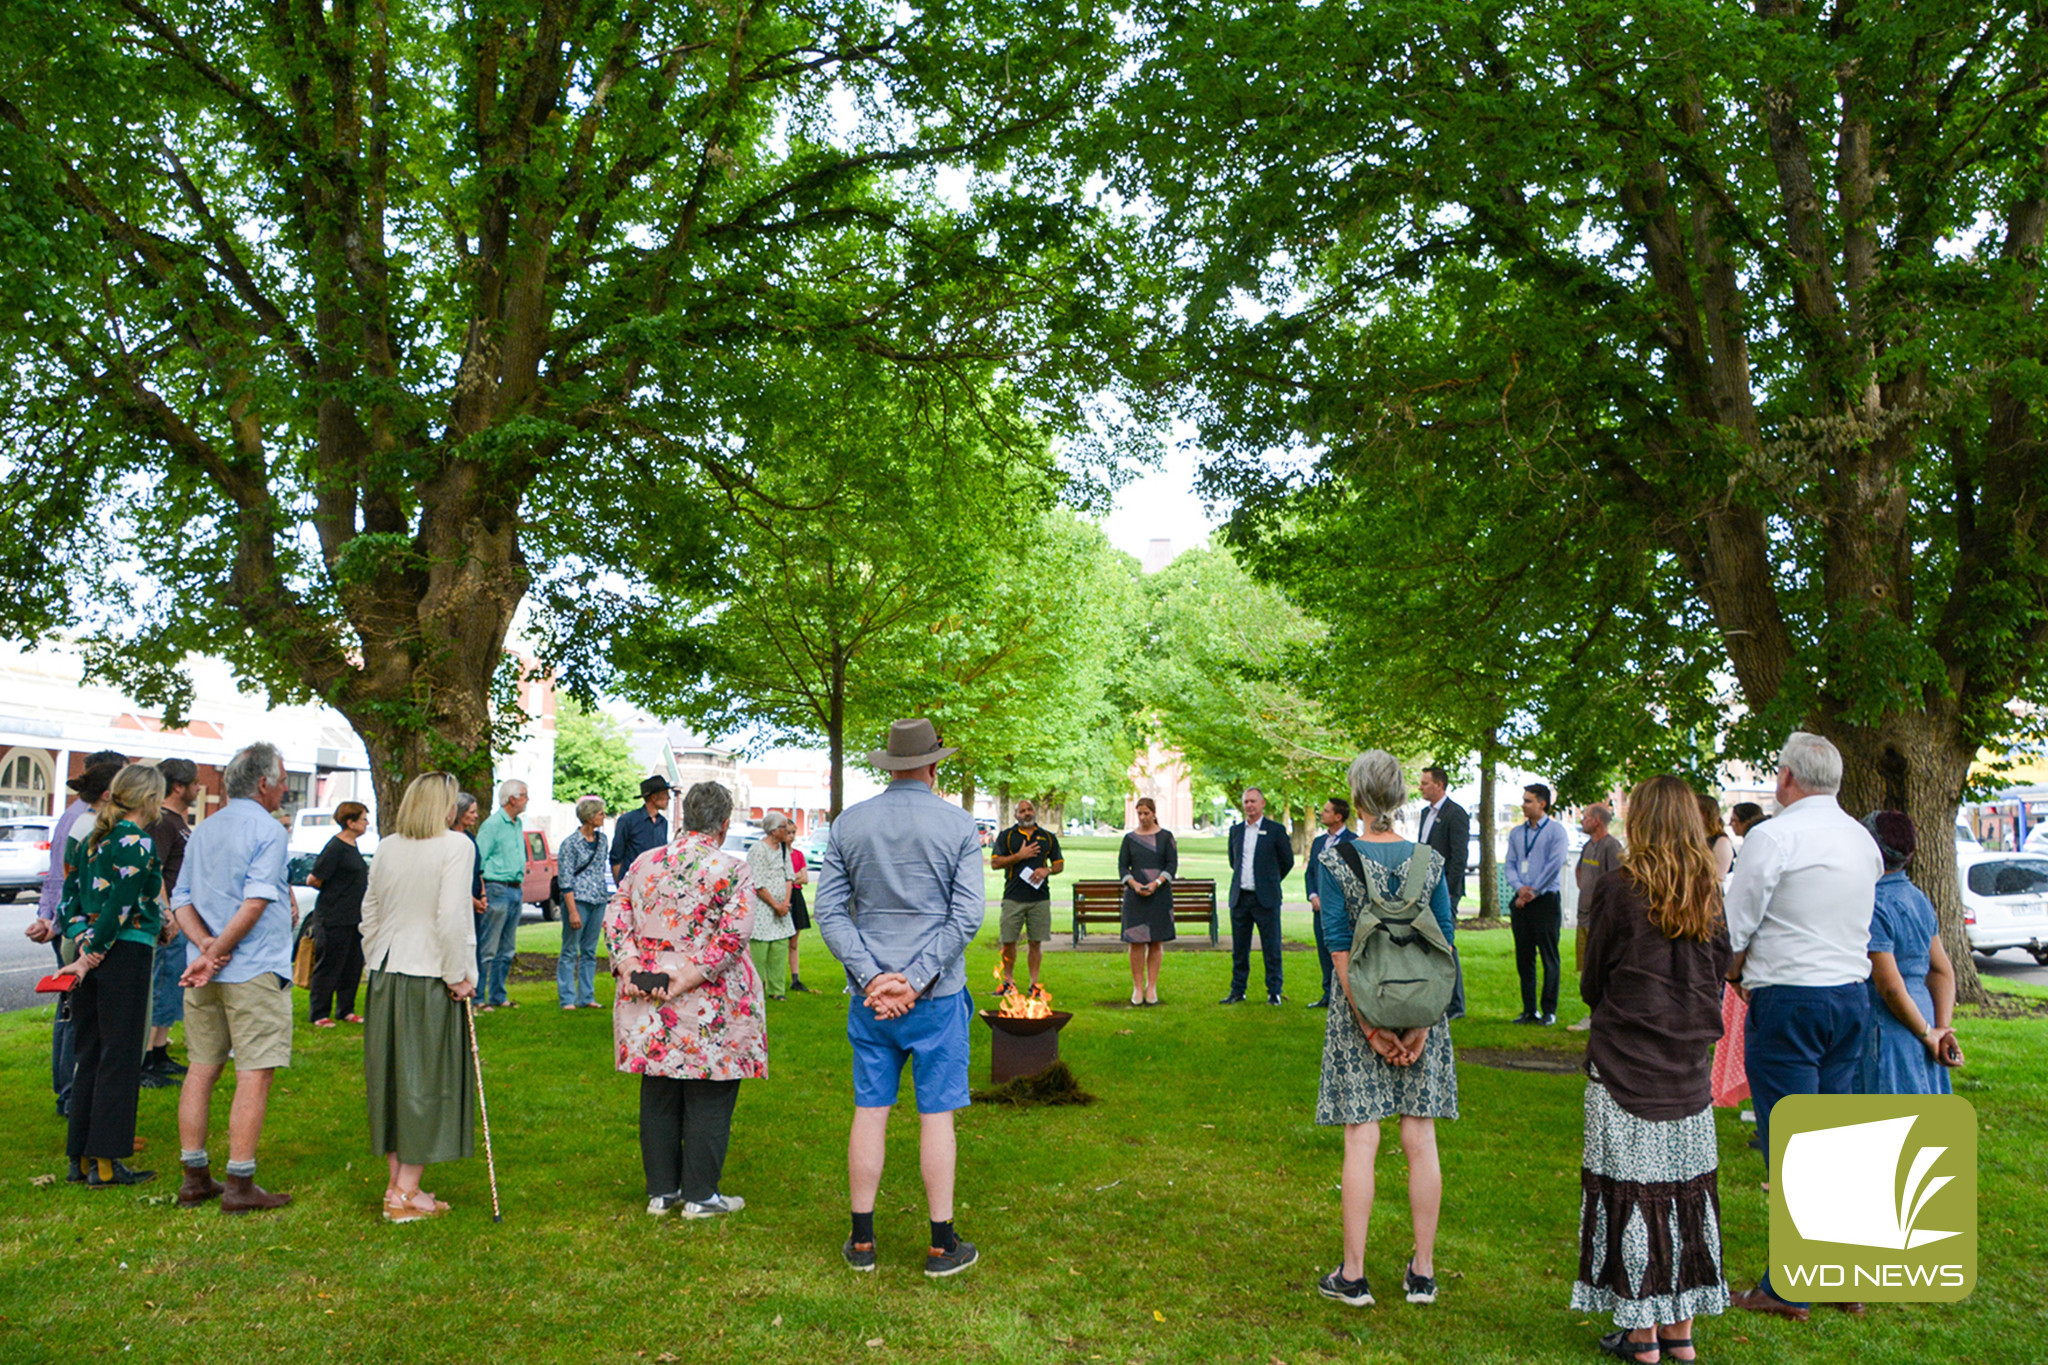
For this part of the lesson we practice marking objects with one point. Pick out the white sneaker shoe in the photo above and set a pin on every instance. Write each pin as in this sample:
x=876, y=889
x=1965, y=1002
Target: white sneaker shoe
x=663, y=1204
x=714, y=1206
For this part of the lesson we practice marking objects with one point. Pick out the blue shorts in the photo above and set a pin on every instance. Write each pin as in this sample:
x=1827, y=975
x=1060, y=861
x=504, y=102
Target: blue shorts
x=933, y=1035
x=167, y=1004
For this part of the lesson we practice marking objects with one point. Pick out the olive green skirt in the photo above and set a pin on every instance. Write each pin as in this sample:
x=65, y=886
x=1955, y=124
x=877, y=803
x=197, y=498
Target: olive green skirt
x=417, y=1070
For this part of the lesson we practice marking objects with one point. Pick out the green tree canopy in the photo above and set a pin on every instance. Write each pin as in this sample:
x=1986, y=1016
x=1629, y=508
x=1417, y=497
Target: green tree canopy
x=594, y=757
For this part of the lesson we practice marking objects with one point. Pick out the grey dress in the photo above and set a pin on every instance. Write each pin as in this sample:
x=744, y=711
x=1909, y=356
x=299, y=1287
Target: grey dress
x=1358, y=1086
x=1148, y=919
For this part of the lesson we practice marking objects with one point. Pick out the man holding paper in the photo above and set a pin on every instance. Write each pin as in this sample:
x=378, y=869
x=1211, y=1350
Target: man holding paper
x=1032, y=858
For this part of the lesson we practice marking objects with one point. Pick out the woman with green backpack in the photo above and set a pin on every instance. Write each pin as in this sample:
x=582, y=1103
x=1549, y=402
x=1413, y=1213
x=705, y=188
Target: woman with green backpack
x=1388, y=1052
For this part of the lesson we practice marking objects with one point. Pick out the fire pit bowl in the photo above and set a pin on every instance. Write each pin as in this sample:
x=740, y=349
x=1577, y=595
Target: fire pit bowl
x=1022, y=1047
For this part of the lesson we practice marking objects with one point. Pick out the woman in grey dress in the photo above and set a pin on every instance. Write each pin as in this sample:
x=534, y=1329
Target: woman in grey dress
x=1370, y=1077
x=1147, y=863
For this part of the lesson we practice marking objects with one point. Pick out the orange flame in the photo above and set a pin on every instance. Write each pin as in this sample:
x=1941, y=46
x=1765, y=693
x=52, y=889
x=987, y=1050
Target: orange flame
x=1016, y=1005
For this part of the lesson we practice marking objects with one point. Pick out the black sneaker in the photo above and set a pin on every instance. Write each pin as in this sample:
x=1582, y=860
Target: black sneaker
x=1417, y=1288
x=1234, y=998
x=1276, y=999
x=1546, y=1020
x=76, y=1174
x=797, y=986
x=1320, y=1003
x=156, y=1080
x=166, y=1066
x=122, y=1176
x=939, y=1264
x=1526, y=1019
x=1356, y=1293
x=861, y=1258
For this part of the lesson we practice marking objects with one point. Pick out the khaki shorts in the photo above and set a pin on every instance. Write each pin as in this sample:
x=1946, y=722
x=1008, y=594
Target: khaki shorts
x=252, y=1019
x=1033, y=918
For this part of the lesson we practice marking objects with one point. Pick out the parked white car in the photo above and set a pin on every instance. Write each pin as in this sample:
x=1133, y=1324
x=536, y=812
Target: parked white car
x=313, y=826
x=2005, y=901
x=24, y=855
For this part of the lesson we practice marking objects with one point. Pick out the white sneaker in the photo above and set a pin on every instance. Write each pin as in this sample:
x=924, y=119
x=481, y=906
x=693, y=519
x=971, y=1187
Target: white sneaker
x=663, y=1204
x=714, y=1206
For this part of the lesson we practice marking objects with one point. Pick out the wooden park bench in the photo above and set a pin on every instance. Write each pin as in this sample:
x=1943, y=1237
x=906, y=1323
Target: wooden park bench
x=1194, y=902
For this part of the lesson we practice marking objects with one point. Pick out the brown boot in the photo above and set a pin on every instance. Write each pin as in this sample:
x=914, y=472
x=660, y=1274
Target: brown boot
x=199, y=1187
x=244, y=1195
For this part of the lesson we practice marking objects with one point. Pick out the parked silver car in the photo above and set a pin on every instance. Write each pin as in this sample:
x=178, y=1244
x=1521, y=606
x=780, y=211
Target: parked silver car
x=24, y=854
x=2005, y=901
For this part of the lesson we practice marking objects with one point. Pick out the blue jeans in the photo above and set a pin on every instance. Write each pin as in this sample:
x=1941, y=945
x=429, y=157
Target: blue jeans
x=496, y=940
x=576, y=968
x=1802, y=1040
x=168, y=1006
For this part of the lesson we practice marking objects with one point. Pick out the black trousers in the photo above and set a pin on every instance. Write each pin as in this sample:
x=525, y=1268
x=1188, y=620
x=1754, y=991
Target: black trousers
x=1246, y=914
x=684, y=1126
x=1536, y=927
x=337, y=969
x=1323, y=952
x=110, y=1022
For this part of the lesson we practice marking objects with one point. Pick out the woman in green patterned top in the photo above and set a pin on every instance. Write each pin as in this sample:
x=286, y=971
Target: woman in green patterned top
x=120, y=902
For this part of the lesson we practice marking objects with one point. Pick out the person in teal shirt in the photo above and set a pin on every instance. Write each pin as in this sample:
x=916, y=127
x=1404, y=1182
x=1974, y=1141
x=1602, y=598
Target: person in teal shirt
x=501, y=853
x=120, y=887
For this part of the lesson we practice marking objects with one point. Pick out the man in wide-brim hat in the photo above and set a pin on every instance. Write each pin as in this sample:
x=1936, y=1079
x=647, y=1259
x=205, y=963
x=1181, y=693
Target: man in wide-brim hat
x=639, y=831
x=899, y=899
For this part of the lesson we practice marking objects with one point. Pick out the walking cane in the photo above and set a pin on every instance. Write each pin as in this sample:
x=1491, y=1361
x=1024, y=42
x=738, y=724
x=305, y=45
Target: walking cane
x=476, y=1058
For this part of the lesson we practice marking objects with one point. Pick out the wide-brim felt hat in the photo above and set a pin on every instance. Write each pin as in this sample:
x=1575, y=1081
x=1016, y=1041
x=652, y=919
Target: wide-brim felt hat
x=912, y=744
x=654, y=786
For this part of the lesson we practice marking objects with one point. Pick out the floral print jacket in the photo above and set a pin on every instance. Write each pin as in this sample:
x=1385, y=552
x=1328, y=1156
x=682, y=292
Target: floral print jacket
x=687, y=903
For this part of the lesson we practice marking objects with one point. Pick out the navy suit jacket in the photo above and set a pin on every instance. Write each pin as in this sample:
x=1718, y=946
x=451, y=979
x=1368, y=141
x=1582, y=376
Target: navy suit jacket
x=1272, y=860
x=1312, y=875
x=1451, y=838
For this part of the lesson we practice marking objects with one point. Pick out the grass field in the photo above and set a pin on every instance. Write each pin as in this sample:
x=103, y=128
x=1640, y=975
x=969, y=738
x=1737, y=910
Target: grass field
x=1184, y=1217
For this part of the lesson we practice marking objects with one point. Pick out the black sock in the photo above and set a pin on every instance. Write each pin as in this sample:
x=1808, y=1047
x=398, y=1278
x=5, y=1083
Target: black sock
x=864, y=1228
x=944, y=1238
x=158, y=1054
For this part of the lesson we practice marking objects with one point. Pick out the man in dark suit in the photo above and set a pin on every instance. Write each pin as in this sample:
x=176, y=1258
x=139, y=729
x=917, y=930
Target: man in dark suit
x=1260, y=856
x=1336, y=821
x=1447, y=829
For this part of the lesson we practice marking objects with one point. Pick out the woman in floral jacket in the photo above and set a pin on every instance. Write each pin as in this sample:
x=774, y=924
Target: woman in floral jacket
x=685, y=914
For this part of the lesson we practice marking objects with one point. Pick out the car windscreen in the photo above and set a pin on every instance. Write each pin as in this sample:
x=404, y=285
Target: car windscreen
x=2010, y=877
x=24, y=834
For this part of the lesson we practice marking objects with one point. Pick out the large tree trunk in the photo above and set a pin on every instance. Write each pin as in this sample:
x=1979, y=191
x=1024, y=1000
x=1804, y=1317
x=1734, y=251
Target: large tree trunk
x=1489, y=865
x=967, y=793
x=835, y=733
x=1918, y=763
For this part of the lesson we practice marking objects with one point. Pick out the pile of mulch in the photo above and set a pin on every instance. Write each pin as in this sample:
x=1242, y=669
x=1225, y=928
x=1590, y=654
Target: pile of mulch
x=2006, y=1005
x=534, y=966
x=1547, y=1060
x=1054, y=1085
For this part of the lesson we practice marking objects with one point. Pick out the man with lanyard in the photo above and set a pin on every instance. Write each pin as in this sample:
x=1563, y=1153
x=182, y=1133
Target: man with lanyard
x=501, y=850
x=637, y=831
x=1536, y=852
x=1032, y=858
x=1336, y=821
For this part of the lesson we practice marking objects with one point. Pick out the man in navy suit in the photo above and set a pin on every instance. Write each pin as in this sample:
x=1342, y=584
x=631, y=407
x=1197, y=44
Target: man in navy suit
x=1260, y=855
x=1336, y=818
x=1447, y=829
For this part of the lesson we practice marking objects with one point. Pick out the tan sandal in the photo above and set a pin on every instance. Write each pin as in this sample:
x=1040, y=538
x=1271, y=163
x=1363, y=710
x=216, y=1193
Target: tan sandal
x=403, y=1209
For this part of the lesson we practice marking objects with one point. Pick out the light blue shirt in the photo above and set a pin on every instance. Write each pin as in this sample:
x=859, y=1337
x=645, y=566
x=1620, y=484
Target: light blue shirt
x=238, y=854
x=899, y=889
x=1536, y=856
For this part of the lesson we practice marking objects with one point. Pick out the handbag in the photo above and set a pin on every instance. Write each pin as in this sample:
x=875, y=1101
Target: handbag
x=302, y=963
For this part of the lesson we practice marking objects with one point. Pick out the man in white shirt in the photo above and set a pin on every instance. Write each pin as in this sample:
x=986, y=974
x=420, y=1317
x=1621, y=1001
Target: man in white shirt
x=1799, y=906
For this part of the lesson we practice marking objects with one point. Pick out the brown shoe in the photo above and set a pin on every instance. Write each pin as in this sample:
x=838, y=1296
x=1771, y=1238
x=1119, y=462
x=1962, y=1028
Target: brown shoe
x=1761, y=1300
x=199, y=1187
x=244, y=1195
x=1854, y=1310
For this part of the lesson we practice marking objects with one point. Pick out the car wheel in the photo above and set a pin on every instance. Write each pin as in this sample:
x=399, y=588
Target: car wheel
x=7, y=897
x=2040, y=955
x=549, y=908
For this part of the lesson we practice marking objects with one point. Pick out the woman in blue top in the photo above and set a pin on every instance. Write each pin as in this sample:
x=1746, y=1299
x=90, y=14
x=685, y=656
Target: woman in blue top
x=1370, y=1076
x=1911, y=1044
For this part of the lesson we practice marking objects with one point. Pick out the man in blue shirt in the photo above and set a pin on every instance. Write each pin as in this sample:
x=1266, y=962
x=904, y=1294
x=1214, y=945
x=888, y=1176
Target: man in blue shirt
x=1336, y=819
x=1535, y=870
x=899, y=899
x=640, y=830
x=233, y=902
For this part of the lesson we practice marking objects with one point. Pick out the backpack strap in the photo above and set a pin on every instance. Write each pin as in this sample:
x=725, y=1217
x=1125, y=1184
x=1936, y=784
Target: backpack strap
x=1351, y=859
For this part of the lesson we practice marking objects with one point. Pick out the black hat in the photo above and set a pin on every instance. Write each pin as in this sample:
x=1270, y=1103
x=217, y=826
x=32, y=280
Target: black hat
x=654, y=786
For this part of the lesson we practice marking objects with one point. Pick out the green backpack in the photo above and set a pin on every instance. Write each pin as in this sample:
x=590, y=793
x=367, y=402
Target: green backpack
x=1402, y=972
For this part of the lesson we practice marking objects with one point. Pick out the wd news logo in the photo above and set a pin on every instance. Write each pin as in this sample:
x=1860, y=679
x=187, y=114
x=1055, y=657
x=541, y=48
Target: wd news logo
x=1874, y=1197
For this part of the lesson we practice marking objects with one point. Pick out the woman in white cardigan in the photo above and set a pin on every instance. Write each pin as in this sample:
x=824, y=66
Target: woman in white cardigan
x=419, y=942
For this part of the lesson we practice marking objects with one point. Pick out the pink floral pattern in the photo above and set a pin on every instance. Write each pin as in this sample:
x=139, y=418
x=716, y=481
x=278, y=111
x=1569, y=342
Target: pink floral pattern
x=688, y=904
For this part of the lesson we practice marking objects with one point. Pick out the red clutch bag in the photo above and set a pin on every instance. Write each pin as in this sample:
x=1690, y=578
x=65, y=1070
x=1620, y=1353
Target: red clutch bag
x=62, y=981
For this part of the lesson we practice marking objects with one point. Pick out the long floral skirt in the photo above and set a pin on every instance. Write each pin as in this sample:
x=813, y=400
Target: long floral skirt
x=1649, y=1217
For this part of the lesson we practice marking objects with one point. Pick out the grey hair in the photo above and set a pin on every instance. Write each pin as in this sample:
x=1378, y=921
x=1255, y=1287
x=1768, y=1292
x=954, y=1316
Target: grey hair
x=1599, y=811
x=706, y=806
x=463, y=802
x=510, y=788
x=1377, y=788
x=587, y=807
x=773, y=821
x=250, y=768
x=1815, y=764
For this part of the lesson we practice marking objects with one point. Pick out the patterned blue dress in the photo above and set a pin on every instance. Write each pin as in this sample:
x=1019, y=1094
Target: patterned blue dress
x=1894, y=1061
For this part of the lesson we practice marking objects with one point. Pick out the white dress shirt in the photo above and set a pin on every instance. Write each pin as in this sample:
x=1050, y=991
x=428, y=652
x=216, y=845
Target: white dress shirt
x=1802, y=895
x=1245, y=880
x=1429, y=820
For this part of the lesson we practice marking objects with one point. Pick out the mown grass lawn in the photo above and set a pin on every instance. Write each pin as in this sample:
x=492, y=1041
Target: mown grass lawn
x=1185, y=1217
